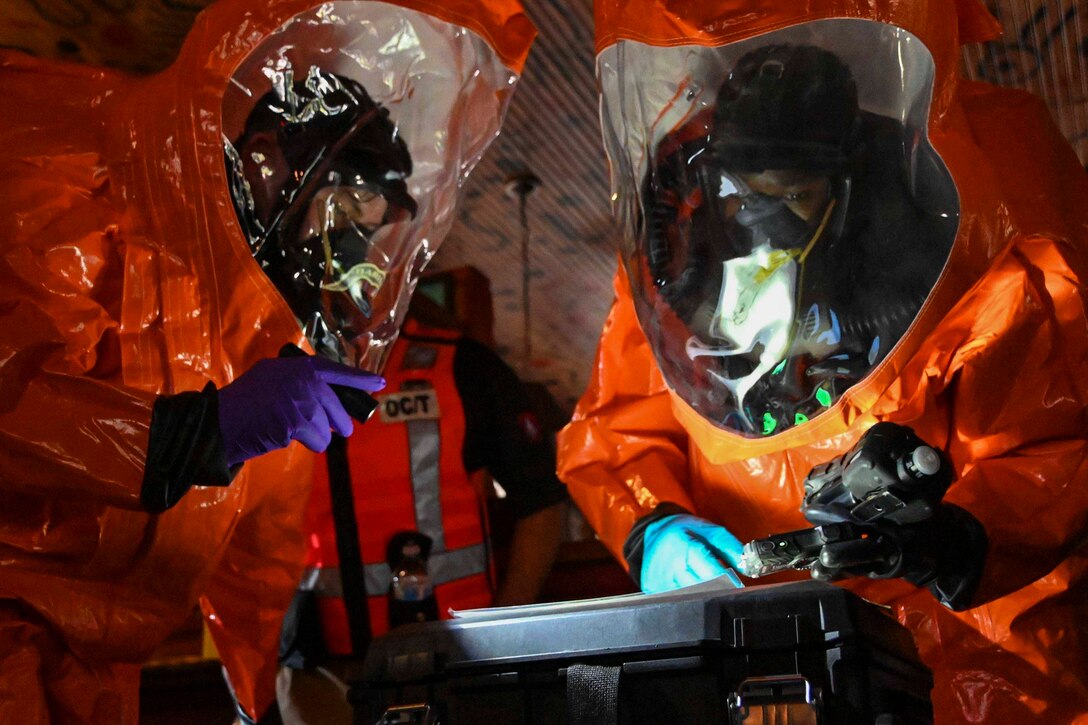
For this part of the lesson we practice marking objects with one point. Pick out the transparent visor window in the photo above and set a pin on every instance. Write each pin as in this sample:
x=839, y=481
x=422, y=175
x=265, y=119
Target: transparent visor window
x=347, y=134
x=785, y=216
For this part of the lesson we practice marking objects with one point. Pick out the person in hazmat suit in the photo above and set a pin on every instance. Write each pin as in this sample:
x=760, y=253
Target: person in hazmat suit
x=163, y=238
x=825, y=228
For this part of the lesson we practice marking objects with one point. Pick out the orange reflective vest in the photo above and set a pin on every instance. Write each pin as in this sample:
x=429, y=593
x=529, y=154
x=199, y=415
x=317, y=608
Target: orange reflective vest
x=407, y=475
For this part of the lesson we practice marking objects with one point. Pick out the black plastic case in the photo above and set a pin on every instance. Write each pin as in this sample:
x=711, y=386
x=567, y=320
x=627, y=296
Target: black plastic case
x=706, y=654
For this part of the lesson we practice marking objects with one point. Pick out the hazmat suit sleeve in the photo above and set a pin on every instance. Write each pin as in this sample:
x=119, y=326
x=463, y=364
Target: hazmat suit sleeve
x=623, y=453
x=1015, y=387
x=62, y=444
x=67, y=428
x=1017, y=402
x=1028, y=483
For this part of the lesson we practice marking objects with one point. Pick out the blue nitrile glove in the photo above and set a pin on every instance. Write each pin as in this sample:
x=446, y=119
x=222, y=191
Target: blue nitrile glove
x=283, y=399
x=679, y=549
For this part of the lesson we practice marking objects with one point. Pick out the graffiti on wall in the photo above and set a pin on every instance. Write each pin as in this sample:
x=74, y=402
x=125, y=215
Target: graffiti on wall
x=1044, y=49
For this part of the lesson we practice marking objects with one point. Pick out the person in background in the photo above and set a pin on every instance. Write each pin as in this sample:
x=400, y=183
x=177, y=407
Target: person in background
x=453, y=415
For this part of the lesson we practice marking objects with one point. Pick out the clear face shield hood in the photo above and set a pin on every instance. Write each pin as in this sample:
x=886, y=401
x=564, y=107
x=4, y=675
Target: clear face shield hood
x=784, y=216
x=348, y=134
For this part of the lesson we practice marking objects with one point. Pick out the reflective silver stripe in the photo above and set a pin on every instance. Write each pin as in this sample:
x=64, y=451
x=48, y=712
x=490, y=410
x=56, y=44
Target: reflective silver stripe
x=377, y=576
x=423, y=450
x=326, y=582
x=457, y=564
x=444, y=567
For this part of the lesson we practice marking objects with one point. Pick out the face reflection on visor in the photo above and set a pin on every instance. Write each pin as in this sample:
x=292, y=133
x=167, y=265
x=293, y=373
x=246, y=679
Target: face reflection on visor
x=341, y=259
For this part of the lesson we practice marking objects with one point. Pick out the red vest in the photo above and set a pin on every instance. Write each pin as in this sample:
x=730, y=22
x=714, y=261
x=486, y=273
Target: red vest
x=407, y=474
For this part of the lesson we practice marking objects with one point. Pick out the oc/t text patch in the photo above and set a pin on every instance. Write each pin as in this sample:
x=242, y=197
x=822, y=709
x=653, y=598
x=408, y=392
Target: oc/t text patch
x=408, y=405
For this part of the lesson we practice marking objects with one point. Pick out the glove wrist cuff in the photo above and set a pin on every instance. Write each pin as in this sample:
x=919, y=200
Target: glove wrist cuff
x=961, y=555
x=633, y=548
x=184, y=448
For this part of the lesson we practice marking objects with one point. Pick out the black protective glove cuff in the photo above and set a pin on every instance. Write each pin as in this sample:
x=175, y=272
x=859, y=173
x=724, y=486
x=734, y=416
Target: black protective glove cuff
x=945, y=553
x=633, y=545
x=184, y=449
x=957, y=543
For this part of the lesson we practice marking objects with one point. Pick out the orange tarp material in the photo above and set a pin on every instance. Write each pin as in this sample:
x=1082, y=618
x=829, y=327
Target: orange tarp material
x=994, y=371
x=123, y=275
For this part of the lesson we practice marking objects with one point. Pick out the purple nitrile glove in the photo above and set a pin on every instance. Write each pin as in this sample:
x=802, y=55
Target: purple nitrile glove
x=283, y=399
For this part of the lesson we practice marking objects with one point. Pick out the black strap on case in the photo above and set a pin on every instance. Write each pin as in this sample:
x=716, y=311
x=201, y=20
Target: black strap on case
x=592, y=694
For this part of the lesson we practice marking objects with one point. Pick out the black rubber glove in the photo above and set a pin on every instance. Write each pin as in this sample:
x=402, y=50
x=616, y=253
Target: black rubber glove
x=184, y=449
x=945, y=553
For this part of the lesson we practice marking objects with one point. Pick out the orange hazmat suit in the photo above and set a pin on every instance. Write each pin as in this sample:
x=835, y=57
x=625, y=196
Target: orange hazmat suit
x=992, y=370
x=124, y=275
